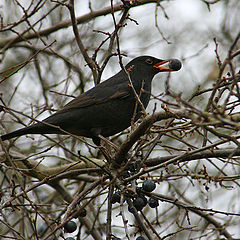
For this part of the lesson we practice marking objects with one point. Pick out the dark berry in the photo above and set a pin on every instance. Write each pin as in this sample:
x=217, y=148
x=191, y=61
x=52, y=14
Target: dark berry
x=82, y=213
x=153, y=202
x=139, y=203
x=130, y=209
x=175, y=64
x=148, y=185
x=144, y=199
x=116, y=197
x=70, y=226
x=132, y=167
x=140, y=238
x=125, y=174
x=138, y=190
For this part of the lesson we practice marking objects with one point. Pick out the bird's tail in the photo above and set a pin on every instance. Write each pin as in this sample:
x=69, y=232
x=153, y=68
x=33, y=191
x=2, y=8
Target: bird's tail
x=38, y=128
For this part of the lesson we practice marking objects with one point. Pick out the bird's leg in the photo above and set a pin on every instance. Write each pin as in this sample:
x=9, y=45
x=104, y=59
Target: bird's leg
x=105, y=153
x=108, y=142
x=97, y=141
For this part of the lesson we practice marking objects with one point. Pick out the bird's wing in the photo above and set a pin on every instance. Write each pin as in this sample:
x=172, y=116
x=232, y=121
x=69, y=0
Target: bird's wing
x=97, y=95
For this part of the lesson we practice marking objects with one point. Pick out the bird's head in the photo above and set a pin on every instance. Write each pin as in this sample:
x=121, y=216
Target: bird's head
x=149, y=66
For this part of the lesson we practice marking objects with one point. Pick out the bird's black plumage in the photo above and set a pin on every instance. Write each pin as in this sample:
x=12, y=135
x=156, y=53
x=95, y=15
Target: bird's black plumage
x=109, y=107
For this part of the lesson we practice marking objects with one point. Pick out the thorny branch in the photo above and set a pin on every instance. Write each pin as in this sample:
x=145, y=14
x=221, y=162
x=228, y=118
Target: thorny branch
x=190, y=147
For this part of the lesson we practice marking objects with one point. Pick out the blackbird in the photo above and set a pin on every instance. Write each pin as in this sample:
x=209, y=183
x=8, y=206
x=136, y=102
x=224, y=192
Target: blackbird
x=109, y=107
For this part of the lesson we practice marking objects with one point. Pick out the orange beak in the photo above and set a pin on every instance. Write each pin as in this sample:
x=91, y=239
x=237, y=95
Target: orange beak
x=173, y=65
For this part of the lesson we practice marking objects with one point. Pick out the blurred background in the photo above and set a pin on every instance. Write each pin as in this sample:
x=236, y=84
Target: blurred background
x=42, y=68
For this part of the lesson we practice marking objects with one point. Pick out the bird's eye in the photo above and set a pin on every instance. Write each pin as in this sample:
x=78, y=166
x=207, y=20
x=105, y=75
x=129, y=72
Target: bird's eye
x=149, y=61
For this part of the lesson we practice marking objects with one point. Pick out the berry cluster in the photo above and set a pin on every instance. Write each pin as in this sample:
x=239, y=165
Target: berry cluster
x=71, y=226
x=140, y=201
